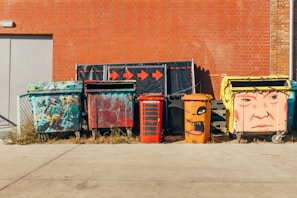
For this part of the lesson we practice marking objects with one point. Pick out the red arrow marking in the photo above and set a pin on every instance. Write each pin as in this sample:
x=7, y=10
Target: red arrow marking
x=142, y=75
x=157, y=75
x=113, y=75
x=128, y=75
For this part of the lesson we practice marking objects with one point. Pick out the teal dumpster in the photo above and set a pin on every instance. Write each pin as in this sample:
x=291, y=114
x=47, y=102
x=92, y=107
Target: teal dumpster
x=291, y=105
x=56, y=107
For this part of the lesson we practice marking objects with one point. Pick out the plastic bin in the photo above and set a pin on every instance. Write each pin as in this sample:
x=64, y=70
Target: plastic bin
x=56, y=106
x=110, y=104
x=256, y=105
x=291, y=105
x=150, y=114
x=197, y=112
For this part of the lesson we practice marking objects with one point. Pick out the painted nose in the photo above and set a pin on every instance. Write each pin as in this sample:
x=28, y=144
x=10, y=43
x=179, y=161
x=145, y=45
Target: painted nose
x=259, y=109
x=260, y=113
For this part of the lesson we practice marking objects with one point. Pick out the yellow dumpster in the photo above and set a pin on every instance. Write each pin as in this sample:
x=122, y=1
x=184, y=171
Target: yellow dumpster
x=197, y=112
x=256, y=105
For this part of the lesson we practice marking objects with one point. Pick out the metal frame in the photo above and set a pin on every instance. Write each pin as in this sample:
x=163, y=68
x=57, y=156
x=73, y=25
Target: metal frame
x=163, y=66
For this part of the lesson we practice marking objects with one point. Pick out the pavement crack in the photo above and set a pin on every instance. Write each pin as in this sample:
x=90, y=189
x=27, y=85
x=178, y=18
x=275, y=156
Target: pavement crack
x=39, y=167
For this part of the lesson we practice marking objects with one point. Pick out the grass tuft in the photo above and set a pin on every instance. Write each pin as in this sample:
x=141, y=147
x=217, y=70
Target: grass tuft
x=26, y=134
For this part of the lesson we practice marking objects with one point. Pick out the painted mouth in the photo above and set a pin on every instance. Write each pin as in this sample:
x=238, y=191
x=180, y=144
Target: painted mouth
x=198, y=127
x=261, y=126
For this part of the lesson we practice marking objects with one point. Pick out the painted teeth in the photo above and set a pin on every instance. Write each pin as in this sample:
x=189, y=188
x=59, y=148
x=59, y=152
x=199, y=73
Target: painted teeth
x=195, y=123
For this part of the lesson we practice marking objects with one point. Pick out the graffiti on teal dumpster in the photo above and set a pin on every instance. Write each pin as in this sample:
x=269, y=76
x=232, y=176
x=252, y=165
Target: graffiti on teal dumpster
x=56, y=113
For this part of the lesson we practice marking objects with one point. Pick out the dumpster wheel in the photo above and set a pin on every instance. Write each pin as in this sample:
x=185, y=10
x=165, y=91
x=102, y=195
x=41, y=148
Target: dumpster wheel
x=230, y=136
x=42, y=137
x=238, y=137
x=277, y=138
x=94, y=133
x=129, y=132
x=77, y=134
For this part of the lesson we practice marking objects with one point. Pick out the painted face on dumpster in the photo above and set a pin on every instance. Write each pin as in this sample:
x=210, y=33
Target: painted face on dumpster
x=194, y=115
x=260, y=112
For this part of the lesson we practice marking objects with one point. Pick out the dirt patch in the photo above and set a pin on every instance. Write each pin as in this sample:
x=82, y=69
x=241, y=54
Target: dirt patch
x=225, y=138
x=122, y=138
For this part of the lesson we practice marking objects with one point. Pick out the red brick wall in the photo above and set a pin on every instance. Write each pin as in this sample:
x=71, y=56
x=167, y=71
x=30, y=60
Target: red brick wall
x=280, y=20
x=223, y=36
x=295, y=42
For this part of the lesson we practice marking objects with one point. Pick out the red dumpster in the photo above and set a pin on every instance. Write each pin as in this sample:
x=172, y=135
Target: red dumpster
x=110, y=104
x=150, y=114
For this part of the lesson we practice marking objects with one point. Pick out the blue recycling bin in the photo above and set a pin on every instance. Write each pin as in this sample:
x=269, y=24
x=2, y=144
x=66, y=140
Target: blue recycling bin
x=291, y=104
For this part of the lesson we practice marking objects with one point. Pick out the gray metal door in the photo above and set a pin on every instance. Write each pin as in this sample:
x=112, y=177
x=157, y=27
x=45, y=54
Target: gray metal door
x=23, y=59
x=4, y=75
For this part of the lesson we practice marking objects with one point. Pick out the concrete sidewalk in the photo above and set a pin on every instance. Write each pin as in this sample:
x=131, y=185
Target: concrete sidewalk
x=148, y=170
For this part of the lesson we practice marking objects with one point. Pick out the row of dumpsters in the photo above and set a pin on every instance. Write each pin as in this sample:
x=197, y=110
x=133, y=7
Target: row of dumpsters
x=253, y=105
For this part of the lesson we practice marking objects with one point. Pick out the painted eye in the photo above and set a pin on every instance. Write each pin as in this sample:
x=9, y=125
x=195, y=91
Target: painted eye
x=245, y=100
x=201, y=110
x=274, y=97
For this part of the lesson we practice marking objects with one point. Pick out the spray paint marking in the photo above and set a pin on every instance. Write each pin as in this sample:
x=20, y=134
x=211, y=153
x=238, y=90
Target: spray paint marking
x=56, y=113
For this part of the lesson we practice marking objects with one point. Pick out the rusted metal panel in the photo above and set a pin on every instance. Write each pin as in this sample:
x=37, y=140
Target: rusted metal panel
x=110, y=104
x=108, y=110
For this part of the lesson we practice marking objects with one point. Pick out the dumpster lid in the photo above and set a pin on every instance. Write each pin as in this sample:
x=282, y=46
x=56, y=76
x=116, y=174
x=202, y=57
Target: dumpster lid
x=151, y=96
x=103, y=85
x=231, y=85
x=52, y=87
x=108, y=81
x=197, y=96
x=256, y=83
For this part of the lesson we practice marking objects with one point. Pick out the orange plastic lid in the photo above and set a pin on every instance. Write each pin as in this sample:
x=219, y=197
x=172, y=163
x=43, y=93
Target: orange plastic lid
x=197, y=96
